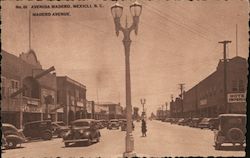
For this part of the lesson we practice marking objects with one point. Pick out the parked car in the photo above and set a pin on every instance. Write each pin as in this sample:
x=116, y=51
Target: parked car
x=59, y=128
x=99, y=124
x=180, y=121
x=167, y=120
x=124, y=126
x=4, y=142
x=114, y=123
x=12, y=136
x=174, y=121
x=231, y=129
x=194, y=122
x=185, y=121
x=213, y=123
x=204, y=123
x=121, y=121
x=82, y=130
x=104, y=123
x=38, y=129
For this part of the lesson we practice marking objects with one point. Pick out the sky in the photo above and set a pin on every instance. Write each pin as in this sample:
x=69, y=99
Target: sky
x=177, y=42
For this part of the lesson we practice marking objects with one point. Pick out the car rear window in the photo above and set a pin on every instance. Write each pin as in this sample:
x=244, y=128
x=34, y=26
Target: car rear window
x=81, y=124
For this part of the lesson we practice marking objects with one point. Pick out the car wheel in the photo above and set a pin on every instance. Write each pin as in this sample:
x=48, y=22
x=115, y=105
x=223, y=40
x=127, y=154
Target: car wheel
x=47, y=136
x=11, y=144
x=89, y=142
x=98, y=139
x=66, y=144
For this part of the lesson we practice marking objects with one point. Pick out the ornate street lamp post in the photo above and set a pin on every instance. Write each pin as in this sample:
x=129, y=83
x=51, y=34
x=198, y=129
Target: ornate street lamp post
x=135, y=10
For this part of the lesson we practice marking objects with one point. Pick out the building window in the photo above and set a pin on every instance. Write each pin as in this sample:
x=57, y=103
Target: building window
x=234, y=86
x=14, y=86
x=241, y=85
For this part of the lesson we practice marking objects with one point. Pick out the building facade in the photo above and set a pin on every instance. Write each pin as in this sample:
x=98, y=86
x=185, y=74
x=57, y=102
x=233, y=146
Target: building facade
x=71, y=96
x=115, y=110
x=207, y=98
x=24, y=87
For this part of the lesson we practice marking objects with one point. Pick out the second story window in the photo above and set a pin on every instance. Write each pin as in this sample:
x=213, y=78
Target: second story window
x=241, y=86
x=234, y=86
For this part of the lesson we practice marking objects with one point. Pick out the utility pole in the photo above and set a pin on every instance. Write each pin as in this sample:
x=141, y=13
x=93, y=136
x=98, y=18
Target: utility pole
x=227, y=110
x=166, y=108
x=181, y=96
x=143, y=102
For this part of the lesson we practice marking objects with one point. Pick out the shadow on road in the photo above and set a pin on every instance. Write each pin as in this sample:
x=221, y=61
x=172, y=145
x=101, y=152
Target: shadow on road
x=19, y=147
x=79, y=144
x=232, y=148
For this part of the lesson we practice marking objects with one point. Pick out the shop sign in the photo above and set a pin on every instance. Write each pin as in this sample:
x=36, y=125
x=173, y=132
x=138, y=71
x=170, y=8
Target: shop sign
x=32, y=109
x=236, y=97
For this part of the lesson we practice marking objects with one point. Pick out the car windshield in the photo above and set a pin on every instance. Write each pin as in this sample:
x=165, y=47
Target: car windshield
x=205, y=120
x=234, y=120
x=81, y=124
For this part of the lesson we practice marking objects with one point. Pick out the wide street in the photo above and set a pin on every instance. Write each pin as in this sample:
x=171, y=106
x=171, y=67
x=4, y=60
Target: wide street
x=163, y=139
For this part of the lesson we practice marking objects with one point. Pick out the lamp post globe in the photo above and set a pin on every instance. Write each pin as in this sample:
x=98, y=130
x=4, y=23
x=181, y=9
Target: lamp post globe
x=135, y=9
x=116, y=10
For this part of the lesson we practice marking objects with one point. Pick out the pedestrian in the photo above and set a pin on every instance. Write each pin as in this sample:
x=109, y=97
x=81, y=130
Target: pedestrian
x=143, y=128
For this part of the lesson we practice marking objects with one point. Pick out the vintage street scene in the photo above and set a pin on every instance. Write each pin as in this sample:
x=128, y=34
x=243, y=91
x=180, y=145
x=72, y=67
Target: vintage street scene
x=124, y=78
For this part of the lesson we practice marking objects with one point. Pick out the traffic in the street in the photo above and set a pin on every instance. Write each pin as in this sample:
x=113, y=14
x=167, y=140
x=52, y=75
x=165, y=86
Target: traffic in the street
x=163, y=139
x=115, y=78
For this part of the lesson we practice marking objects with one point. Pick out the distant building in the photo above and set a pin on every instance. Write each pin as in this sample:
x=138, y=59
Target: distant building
x=29, y=105
x=114, y=109
x=206, y=99
x=72, y=97
x=162, y=114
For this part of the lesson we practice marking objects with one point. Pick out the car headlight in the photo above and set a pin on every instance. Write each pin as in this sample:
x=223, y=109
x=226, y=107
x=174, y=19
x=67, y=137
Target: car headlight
x=87, y=133
x=81, y=131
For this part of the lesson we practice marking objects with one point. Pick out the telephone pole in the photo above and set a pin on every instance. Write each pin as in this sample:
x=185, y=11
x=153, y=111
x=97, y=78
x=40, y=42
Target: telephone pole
x=227, y=110
x=181, y=96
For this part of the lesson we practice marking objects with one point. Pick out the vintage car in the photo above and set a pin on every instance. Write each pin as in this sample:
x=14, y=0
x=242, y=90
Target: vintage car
x=231, y=129
x=194, y=122
x=113, y=123
x=59, y=128
x=204, y=123
x=213, y=123
x=124, y=126
x=38, y=129
x=3, y=142
x=104, y=123
x=82, y=130
x=12, y=135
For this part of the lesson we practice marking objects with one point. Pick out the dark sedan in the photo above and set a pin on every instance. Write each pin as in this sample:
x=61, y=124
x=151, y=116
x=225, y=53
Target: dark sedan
x=12, y=135
x=82, y=130
x=114, y=123
x=204, y=123
x=59, y=128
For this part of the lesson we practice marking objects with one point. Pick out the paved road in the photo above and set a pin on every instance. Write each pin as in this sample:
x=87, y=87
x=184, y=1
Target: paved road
x=163, y=139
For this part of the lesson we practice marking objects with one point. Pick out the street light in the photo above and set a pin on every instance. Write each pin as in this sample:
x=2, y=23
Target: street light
x=135, y=10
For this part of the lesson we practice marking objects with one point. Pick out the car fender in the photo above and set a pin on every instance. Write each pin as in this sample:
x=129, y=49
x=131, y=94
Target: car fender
x=18, y=139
